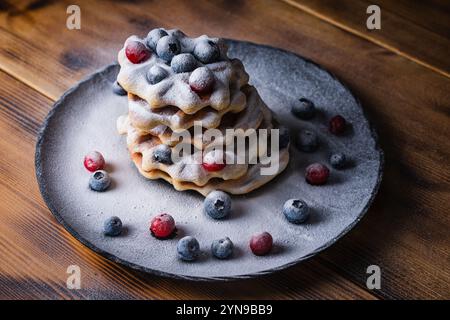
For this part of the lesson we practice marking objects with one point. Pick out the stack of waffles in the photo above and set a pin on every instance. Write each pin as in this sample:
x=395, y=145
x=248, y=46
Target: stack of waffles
x=179, y=88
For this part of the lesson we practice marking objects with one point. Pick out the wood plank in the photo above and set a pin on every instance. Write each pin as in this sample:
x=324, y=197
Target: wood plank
x=408, y=103
x=417, y=30
x=36, y=250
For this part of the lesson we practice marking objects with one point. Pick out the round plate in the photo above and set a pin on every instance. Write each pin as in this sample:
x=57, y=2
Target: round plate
x=84, y=119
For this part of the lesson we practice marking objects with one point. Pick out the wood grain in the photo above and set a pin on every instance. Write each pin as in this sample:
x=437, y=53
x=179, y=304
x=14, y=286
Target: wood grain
x=405, y=232
x=417, y=30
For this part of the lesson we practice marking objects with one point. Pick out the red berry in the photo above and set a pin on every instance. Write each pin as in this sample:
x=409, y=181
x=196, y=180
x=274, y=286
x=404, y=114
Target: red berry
x=214, y=161
x=202, y=80
x=94, y=161
x=162, y=226
x=211, y=167
x=137, y=52
x=202, y=89
x=337, y=125
x=261, y=243
x=317, y=174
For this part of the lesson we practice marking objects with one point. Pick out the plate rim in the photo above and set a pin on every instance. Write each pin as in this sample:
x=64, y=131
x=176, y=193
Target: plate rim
x=48, y=200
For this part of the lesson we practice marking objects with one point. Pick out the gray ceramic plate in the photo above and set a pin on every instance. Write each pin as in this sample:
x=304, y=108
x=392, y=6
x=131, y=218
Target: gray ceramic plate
x=84, y=119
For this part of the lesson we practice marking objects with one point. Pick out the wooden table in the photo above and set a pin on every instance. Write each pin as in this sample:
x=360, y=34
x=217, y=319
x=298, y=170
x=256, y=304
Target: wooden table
x=401, y=73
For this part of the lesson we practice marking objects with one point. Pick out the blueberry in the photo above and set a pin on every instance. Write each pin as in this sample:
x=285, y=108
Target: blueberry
x=99, y=180
x=222, y=248
x=112, y=227
x=184, y=62
x=284, y=137
x=338, y=160
x=188, y=248
x=162, y=154
x=117, y=89
x=296, y=211
x=217, y=204
x=304, y=109
x=207, y=51
x=156, y=74
x=154, y=36
x=167, y=48
x=307, y=141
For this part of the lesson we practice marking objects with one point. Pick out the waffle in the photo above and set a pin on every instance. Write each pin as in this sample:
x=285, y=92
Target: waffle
x=175, y=91
x=251, y=117
x=173, y=105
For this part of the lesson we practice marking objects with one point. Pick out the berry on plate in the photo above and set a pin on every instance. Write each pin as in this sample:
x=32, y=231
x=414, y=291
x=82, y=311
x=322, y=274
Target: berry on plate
x=168, y=47
x=202, y=80
x=183, y=62
x=296, y=211
x=217, y=204
x=337, y=125
x=307, y=141
x=285, y=137
x=154, y=36
x=304, y=109
x=222, y=248
x=188, y=248
x=99, y=180
x=338, y=160
x=117, y=89
x=207, y=51
x=317, y=174
x=261, y=243
x=94, y=161
x=112, y=226
x=137, y=52
x=162, y=226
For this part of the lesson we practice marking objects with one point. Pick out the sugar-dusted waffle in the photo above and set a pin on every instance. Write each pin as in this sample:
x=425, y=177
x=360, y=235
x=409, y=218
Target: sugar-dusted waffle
x=180, y=88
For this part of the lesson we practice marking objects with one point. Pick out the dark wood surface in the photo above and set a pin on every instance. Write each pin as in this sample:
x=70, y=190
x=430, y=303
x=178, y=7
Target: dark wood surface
x=400, y=73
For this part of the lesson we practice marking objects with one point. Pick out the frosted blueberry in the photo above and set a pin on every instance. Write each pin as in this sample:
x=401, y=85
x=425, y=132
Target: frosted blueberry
x=304, y=109
x=117, y=89
x=168, y=47
x=207, y=51
x=338, y=160
x=188, y=248
x=284, y=137
x=99, y=180
x=296, y=211
x=162, y=154
x=154, y=36
x=222, y=248
x=112, y=227
x=217, y=204
x=183, y=62
x=156, y=74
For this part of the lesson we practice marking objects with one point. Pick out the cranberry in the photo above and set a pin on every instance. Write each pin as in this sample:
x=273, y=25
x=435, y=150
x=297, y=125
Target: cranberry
x=317, y=174
x=212, y=161
x=94, y=161
x=137, y=52
x=337, y=125
x=202, y=80
x=211, y=167
x=261, y=243
x=162, y=226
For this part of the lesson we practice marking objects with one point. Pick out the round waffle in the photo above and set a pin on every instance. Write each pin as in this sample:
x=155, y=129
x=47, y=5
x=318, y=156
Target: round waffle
x=230, y=77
